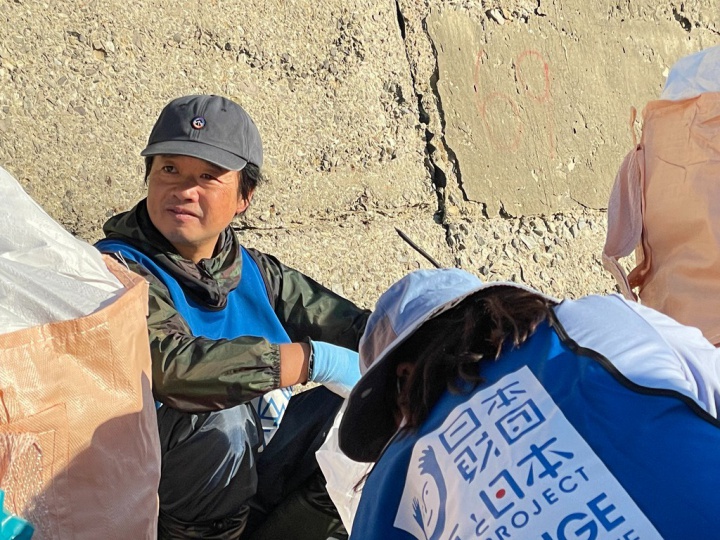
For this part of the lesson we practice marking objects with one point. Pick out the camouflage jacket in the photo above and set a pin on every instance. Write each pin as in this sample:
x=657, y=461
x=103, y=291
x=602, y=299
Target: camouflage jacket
x=195, y=374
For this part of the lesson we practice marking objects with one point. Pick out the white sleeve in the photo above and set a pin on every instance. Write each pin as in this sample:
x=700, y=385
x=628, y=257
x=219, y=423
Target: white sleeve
x=647, y=347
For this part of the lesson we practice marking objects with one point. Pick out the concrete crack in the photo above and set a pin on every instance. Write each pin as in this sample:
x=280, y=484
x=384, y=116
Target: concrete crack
x=434, y=78
x=580, y=203
x=437, y=175
x=401, y=23
x=441, y=162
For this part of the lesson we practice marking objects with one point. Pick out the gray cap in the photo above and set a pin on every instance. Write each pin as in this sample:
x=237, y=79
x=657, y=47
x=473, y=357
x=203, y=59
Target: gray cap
x=207, y=127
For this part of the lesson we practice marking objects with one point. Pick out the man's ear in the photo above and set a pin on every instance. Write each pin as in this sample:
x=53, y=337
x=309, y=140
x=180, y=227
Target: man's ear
x=243, y=203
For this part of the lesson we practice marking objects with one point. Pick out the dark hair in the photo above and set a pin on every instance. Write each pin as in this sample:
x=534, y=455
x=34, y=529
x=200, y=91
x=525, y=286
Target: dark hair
x=250, y=177
x=446, y=351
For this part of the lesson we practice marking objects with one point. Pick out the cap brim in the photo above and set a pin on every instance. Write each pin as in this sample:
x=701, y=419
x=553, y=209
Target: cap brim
x=367, y=423
x=212, y=154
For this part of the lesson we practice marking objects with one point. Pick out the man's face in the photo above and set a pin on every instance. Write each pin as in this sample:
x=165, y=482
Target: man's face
x=191, y=201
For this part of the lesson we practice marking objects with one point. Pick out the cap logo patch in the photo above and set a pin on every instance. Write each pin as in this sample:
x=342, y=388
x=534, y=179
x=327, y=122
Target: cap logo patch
x=198, y=122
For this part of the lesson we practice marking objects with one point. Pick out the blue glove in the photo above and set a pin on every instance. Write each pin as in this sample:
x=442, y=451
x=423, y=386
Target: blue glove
x=337, y=368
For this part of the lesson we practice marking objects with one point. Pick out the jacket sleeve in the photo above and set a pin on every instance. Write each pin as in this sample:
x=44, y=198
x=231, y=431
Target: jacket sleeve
x=196, y=374
x=307, y=309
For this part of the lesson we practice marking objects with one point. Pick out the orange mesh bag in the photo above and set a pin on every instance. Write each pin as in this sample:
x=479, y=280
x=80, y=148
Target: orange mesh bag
x=665, y=205
x=79, y=447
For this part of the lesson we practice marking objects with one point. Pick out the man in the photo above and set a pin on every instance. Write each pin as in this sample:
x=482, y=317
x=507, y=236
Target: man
x=228, y=326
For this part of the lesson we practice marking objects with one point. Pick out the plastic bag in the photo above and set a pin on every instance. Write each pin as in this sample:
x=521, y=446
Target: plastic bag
x=46, y=274
x=79, y=443
x=343, y=475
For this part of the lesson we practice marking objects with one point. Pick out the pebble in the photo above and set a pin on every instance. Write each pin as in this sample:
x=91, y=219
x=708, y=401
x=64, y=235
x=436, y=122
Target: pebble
x=496, y=16
x=529, y=242
x=337, y=288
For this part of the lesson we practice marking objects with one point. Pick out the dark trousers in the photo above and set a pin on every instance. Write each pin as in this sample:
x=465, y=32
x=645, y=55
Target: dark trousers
x=214, y=483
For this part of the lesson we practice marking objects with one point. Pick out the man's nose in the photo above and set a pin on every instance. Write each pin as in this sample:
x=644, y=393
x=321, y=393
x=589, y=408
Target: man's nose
x=188, y=188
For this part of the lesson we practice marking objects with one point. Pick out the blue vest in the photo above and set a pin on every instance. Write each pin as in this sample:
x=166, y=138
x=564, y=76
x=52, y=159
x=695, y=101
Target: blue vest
x=555, y=444
x=248, y=311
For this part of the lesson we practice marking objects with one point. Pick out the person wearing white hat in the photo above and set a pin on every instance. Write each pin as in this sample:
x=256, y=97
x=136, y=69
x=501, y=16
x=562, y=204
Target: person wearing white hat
x=491, y=410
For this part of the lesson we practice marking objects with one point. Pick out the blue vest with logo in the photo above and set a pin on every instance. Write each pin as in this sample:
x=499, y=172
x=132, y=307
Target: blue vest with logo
x=555, y=444
x=248, y=311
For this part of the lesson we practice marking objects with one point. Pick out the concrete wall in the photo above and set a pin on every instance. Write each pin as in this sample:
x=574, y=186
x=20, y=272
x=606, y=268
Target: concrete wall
x=516, y=110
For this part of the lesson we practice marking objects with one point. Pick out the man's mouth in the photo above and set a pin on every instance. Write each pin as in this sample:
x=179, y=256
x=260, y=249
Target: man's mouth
x=180, y=212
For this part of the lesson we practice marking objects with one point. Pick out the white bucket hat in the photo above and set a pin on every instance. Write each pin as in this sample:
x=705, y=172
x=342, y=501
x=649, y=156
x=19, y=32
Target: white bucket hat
x=368, y=423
